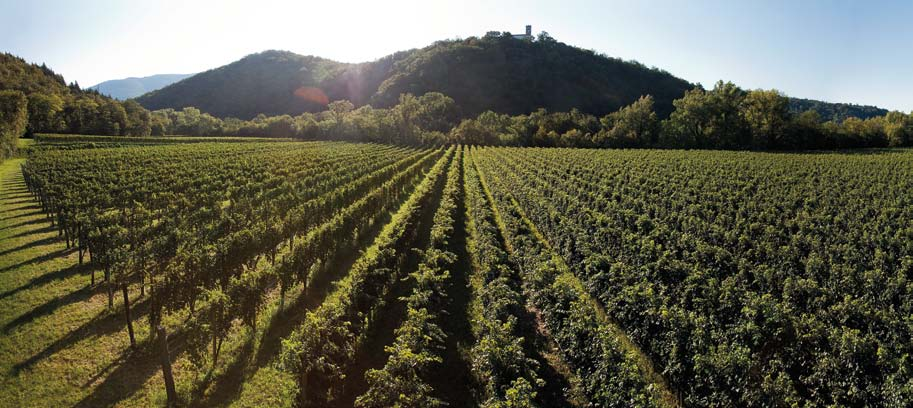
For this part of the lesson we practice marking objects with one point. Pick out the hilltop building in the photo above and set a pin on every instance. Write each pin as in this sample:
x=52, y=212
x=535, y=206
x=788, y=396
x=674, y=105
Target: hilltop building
x=528, y=36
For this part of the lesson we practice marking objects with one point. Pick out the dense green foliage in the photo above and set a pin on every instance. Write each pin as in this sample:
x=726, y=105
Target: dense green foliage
x=773, y=280
x=321, y=350
x=13, y=119
x=197, y=242
x=55, y=107
x=403, y=381
x=414, y=120
x=587, y=339
x=496, y=73
x=511, y=76
x=725, y=117
x=499, y=356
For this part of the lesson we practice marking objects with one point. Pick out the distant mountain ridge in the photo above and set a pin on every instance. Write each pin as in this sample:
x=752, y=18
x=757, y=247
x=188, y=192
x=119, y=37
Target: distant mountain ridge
x=135, y=86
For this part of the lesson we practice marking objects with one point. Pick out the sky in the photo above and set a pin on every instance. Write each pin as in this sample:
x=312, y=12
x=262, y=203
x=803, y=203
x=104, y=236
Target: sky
x=838, y=51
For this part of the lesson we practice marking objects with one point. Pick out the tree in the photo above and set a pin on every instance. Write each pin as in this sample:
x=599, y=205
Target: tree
x=855, y=132
x=79, y=115
x=339, y=111
x=306, y=127
x=708, y=119
x=280, y=126
x=43, y=111
x=898, y=128
x=635, y=125
x=111, y=119
x=544, y=37
x=138, y=121
x=404, y=117
x=805, y=131
x=159, y=123
x=13, y=121
x=484, y=130
x=437, y=112
x=767, y=115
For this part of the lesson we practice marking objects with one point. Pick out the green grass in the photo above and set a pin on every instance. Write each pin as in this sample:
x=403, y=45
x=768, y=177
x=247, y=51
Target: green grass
x=23, y=143
x=43, y=298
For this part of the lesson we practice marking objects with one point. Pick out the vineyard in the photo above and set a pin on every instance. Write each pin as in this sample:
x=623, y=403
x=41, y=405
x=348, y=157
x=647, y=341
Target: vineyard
x=323, y=274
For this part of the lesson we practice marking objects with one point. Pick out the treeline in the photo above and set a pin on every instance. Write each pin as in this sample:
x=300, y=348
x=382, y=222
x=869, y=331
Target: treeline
x=34, y=99
x=423, y=120
x=85, y=112
x=725, y=117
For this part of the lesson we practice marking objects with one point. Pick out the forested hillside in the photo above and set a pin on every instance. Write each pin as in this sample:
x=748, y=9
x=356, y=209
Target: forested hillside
x=273, y=83
x=33, y=98
x=511, y=76
x=496, y=73
x=837, y=112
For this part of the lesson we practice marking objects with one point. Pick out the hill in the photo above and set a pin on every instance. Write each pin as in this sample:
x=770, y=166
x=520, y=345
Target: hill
x=273, y=83
x=132, y=87
x=514, y=76
x=53, y=106
x=497, y=73
x=837, y=112
x=19, y=75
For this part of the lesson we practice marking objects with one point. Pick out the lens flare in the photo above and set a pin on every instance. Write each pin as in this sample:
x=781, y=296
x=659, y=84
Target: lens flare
x=314, y=95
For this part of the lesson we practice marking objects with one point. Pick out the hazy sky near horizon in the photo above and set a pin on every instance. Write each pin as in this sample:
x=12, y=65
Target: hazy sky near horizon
x=839, y=50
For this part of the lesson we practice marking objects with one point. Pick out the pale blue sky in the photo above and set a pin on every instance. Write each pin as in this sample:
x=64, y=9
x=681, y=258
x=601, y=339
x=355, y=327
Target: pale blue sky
x=841, y=50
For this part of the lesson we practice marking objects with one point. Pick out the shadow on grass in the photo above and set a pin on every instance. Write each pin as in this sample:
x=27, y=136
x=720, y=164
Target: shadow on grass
x=228, y=383
x=16, y=186
x=104, y=323
x=25, y=223
x=23, y=200
x=32, y=244
x=555, y=391
x=23, y=215
x=51, y=306
x=47, y=278
x=39, y=259
x=130, y=372
x=44, y=230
